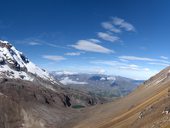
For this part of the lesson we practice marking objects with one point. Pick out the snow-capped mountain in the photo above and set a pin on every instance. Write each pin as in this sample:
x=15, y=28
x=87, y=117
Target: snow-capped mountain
x=14, y=64
x=27, y=91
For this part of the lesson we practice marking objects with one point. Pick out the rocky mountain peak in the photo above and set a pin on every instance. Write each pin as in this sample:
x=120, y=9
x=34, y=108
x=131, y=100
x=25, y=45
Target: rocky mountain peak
x=14, y=64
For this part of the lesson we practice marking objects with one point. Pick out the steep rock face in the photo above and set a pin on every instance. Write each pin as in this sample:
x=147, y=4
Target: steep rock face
x=10, y=111
x=25, y=104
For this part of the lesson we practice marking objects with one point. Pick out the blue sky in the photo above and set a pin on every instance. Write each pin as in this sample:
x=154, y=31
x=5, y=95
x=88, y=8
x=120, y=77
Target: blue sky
x=128, y=38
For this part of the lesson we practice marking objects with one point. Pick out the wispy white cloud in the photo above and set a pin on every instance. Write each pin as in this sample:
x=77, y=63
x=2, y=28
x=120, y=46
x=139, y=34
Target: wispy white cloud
x=30, y=41
x=54, y=45
x=107, y=62
x=107, y=37
x=116, y=25
x=94, y=40
x=120, y=65
x=129, y=70
x=90, y=46
x=136, y=58
x=164, y=57
x=37, y=41
x=54, y=57
x=143, y=48
x=134, y=67
x=73, y=53
x=33, y=43
x=159, y=64
x=150, y=60
x=109, y=26
x=123, y=24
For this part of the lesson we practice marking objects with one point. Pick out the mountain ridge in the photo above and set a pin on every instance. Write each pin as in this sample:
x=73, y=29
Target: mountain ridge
x=108, y=86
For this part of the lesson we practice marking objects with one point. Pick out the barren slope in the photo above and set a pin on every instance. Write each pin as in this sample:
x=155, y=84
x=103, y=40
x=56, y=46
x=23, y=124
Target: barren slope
x=125, y=112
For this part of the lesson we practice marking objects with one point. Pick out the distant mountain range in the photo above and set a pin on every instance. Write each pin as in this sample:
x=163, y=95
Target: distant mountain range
x=107, y=86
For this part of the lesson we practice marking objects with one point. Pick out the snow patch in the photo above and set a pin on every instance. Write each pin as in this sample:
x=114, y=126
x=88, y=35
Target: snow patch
x=102, y=78
x=111, y=78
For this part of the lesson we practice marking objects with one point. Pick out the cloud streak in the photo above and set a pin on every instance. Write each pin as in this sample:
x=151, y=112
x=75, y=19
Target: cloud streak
x=109, y=26
x=90, y=46
x=136, y=58
x=37, y=41
x=164, y=57
x=126, y=69
x=120, y=65
x=94, y=40
x=73, y=53
x=150, y=60
x=107, y=37
x=33, y=43
x=123, y=24
x=54, y=57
